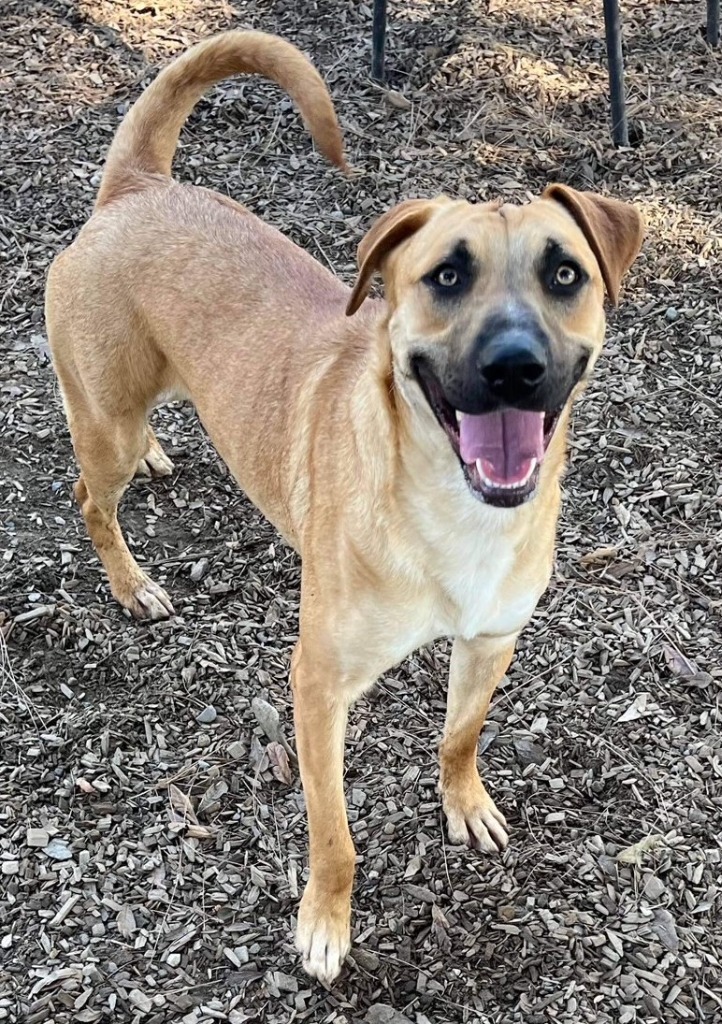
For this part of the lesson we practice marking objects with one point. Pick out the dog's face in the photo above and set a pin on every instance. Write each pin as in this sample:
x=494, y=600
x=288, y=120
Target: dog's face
x=496, y=318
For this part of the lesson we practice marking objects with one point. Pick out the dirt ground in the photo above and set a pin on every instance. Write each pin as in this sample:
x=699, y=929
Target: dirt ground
x=152, y=843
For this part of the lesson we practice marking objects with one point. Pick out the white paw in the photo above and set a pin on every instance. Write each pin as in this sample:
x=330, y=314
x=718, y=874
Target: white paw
x=324, y=939
x=148, y=601
x=476, y=823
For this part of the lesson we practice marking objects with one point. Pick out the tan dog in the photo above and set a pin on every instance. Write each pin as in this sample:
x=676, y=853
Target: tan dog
x=412, y=454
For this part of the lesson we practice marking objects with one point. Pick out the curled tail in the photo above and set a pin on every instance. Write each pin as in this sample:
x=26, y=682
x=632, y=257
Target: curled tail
x=148, y=135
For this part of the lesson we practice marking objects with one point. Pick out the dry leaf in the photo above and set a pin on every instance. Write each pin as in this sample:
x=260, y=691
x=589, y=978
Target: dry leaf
x=639, y=707
x=599, y=555
x=440, y=928
x=85, y=786
x=293, y=878
x=413, y=867
x=666, y=929
x=635, y=854
x=279, y=763
x=212, y=797
x=199, y=832
x=677, y=663
x=397, y=100
x=268, y=718
x=181, y=804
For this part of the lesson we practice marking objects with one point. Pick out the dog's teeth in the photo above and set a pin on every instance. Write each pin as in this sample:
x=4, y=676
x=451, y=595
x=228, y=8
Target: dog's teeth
x=458, y=415
x=505, y=487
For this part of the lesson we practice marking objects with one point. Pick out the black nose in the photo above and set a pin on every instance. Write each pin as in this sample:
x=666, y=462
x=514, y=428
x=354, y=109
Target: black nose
x=514, y=365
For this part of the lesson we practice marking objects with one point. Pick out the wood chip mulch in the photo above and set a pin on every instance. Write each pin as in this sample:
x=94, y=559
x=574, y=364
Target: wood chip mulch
x=152, y=833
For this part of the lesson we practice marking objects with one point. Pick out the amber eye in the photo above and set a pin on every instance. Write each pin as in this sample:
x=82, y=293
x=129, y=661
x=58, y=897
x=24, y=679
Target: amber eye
x=446, y=276
x=566, y=275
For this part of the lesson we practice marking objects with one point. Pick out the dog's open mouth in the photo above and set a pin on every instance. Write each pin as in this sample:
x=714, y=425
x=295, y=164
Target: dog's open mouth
x=501, y=452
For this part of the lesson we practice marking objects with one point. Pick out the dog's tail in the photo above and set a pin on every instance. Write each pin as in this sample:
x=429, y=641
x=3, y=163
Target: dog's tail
x=147, y=138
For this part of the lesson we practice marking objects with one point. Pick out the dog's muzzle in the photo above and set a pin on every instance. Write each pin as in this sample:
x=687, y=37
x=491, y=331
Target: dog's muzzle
x=500, y=405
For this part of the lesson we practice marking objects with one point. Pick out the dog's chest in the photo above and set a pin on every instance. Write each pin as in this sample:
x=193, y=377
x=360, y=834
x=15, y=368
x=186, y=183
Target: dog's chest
x=483, y=588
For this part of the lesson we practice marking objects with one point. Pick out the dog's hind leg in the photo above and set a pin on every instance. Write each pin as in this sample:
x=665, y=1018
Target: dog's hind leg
x=108, y=454
x=108, y=449
x=477, y=667
x=154, y=462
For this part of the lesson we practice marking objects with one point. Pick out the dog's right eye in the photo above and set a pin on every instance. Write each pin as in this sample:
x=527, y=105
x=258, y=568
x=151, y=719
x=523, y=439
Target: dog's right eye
x=446, y=276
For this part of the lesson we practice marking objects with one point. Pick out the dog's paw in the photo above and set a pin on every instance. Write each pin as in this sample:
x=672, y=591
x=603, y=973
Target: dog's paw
x=146, y=600
x=154, y=463
x=323, y=935
x=473, y=819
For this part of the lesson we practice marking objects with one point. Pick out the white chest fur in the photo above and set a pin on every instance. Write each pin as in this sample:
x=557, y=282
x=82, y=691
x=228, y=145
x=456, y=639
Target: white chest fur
x=476, y=572
x=485, y=587
x=464, y=582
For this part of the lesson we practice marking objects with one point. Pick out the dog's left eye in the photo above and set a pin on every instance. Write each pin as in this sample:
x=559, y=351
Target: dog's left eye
x=446, y=276
x=566, y=275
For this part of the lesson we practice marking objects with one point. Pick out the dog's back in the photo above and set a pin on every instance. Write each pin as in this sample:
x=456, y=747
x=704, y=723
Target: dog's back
x=162, y=290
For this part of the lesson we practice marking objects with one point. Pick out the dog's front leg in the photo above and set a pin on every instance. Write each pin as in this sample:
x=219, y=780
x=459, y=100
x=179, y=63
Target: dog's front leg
x=320, y=710
x=477, y=666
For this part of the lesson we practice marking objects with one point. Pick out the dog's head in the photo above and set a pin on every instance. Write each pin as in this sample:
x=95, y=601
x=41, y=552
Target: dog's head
x=496, y=318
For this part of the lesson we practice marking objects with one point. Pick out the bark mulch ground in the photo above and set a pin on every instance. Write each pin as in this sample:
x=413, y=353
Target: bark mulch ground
x=152, y=838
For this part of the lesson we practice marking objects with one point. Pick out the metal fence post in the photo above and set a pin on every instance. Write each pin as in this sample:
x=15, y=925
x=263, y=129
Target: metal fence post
x=713, y=22
x=378, y=49
x=613, y=32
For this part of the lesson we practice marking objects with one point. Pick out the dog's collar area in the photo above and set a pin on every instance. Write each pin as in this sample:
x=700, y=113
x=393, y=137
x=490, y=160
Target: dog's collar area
x=500, y=451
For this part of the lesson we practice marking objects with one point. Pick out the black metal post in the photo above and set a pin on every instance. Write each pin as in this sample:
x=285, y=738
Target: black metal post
x=613, y=31
x=713, y=22
x=378, y=50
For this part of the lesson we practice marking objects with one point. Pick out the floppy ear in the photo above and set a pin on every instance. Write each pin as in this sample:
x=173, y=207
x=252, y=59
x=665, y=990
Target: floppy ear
x=614, y=231
x=385, y=234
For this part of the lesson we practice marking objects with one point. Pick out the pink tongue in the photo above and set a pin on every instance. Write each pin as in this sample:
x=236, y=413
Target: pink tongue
x=506, y=443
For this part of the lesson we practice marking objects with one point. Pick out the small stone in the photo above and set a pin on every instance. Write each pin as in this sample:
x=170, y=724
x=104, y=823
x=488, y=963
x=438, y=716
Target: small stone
x=285, y=982
x=207, y=715
x=37, y=837
x=528, y=752
x=653, y=887
x=507, y=913
x=365, y=958
x=141, y=1000
x=10, y=867
x=173, y=959
x=199, y=569
x=672, y=314
x=231, y=955
x=58, y=850
x=381, y=1013
x=126, y=922
x=357, y=798
x=608, y=865
x=236, y=750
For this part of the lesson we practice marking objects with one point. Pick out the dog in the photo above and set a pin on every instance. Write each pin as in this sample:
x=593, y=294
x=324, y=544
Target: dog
x=411, y=450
